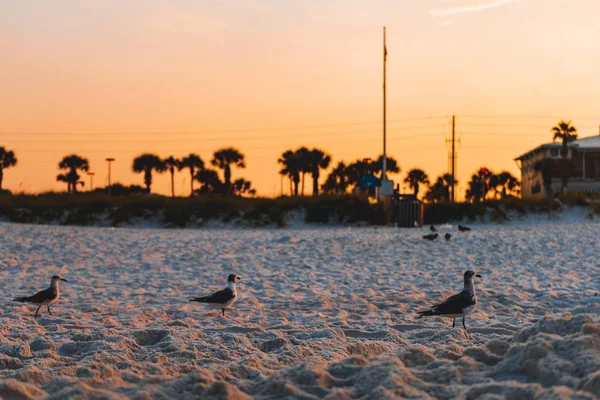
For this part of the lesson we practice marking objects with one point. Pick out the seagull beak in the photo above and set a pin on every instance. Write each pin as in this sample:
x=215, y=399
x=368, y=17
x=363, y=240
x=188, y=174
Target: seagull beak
x=64, y=280
x=479, y=276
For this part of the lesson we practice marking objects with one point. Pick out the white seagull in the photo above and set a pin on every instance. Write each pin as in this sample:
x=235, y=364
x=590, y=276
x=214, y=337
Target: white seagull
x=223, y=298
x=459, y=305
x=45, y=297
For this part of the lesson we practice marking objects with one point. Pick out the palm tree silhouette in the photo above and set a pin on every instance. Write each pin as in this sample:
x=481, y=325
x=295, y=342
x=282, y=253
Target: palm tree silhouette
x=209, y=181
x=171, y=163
x=303, y=164
x=336, y=180
x=242, y=186
x=223, y=159
x=438, y=192
x=291, y=167
x=147, y=163
x=316, y=160
x=357, y=169
x=416, y=177
x=391, y=166
x=71, y=164
x=194, y=163
x=566, y=133
x=508, y=183
x=7, y=160
x=476, y=190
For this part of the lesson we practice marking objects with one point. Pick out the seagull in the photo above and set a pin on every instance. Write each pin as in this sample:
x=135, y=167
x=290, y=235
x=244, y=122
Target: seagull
x=45, y=297
x=432, y=228
x=463, y=228
x=223, y=298
x=459, y=305
x=447, y=236
x=431, y=236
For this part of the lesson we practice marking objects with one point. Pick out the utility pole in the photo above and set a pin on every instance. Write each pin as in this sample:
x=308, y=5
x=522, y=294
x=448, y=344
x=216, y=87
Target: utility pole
x=109, y=160
x=384, y=166
x=453, y=157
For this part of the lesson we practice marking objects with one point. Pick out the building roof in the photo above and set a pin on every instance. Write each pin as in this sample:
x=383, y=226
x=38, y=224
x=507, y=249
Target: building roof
x=588, y=143
x=592, y=142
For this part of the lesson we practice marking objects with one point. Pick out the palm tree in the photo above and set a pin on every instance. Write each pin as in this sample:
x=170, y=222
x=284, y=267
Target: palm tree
x=391, y=166
x=241, y=186
x=147, y=163
x=171, y=163
x=317, y=160
x=508, y=182
x=7, y=160
x=493, y=183
x=193, y=162
x=302, y=155
x=416, y=177
x=357, y=169
x=71, y=164
x=209, y=181
x=291, y=167
x=566, y=133
x=336, y=180
x=223, y=159
x=476, y=191
x=438, y=192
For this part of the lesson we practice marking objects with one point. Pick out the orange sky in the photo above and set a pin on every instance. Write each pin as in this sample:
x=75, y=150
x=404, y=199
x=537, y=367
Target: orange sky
x=176, y=76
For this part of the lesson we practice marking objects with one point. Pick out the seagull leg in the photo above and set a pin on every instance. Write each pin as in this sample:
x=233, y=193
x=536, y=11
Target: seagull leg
x=453, y=322
x=49, y=312
x=36, y=311
x=464, y=324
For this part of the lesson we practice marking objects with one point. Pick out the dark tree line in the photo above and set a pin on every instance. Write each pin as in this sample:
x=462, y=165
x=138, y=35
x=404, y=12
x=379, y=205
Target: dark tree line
x=149, y=164
x=208, y=179
x=297, y=164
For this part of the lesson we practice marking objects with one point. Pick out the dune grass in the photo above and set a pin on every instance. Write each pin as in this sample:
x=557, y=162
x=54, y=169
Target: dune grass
x=95, y=208
x=88, y=209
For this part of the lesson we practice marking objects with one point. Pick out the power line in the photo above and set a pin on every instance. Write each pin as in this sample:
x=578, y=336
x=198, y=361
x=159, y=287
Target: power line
x=538, y=135
x=519, y=125
x=527, y=117
x=267, y=129
x=170, y=139
x=94, y=151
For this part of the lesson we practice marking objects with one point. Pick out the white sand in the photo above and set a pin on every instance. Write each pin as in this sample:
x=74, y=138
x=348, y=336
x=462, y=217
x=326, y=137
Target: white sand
x=322, y=313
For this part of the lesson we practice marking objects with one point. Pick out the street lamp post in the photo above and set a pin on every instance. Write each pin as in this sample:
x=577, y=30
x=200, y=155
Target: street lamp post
x=109, y=161
x=91, y=175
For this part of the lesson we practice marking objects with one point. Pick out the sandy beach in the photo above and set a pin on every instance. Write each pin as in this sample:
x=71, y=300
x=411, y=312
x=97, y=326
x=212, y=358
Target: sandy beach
x=322, y=313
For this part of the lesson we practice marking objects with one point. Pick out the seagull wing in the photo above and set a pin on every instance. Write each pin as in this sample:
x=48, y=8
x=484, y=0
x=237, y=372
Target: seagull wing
x=39, y=297
x=453, y=305
x=220, y=297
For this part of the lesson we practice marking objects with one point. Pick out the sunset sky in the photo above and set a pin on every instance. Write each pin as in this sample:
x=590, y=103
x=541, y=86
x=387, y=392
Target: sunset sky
x=115, y=79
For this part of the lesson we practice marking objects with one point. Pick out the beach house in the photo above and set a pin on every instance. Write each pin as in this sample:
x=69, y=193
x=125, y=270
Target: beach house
x=541, y=168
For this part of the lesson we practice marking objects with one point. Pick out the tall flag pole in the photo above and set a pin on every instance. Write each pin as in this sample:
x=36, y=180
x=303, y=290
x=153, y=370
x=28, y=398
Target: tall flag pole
x=384, y=166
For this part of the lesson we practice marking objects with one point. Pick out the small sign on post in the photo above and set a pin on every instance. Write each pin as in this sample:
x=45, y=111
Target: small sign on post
x=387, y=187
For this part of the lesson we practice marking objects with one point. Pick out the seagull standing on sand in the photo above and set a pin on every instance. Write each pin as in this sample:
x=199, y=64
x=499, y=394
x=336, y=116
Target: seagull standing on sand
x=45, y=297
x=432, y=228
x=223, y=298
x=431, y=236
x=447, y=236
x=463, y=228
x=459, y=305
